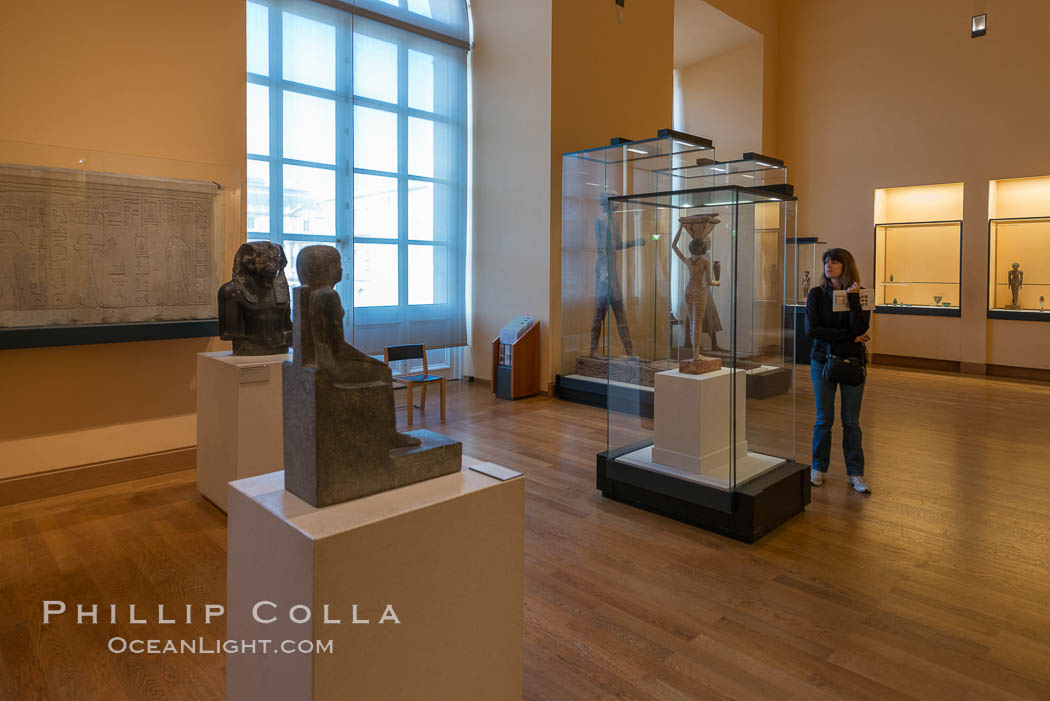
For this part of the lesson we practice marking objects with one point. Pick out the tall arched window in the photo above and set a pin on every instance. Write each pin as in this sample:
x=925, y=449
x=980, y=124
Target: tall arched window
x=357, y=138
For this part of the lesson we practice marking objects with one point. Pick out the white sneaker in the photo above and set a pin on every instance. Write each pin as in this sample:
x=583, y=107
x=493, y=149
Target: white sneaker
x=816, y=478
x=858, y=483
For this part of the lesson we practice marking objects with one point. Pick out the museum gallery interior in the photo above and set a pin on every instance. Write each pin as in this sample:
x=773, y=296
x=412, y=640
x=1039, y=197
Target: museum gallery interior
x=488, y=349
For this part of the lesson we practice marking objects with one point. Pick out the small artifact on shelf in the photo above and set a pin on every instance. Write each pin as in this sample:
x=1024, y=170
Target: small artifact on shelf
x=895, y=300
x=1015, y=279
x=805, y=283
x=937, y=300
x=946, y=304
x=254, y=311
x=340, y=435
x=1042, y=301
x=891, y=277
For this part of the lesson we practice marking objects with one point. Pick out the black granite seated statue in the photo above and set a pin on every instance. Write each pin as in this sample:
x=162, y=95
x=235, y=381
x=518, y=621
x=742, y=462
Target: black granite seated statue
x=254, y=311
x=340, y=435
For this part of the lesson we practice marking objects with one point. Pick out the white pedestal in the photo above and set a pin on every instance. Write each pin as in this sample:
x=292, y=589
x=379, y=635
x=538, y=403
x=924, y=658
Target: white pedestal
x=239, y=419
x=446, y=554
x=692, y=419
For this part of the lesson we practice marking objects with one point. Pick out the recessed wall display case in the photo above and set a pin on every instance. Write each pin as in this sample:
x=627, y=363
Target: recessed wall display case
x=1019, y=249
x=593, y=300
x=701, y=404
x=918, y=248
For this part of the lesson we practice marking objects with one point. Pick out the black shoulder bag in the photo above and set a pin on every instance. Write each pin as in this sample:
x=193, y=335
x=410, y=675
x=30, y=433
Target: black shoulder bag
x=845, y=371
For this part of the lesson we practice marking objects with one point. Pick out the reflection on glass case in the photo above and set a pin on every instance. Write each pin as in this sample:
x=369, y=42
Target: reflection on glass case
x=803, y=276
x=1019, y=269
x=701, y=400
x=804, y=267
x=917, y=268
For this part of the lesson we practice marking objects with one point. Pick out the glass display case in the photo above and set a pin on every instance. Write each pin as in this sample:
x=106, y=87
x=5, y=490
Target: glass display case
x=753, y=170
x=804, y=268
x=918, y=268
x=699, y=376
x=588, y=294
x=1019, y=269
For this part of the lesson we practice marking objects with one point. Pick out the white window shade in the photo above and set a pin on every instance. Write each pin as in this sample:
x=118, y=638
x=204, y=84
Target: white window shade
x=448, y=17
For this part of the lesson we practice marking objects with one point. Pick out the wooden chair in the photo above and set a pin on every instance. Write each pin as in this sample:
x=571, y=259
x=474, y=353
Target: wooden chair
x=412, y=352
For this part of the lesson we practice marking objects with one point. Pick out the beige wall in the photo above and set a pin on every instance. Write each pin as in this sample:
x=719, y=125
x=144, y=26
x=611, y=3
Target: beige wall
x=896, y=93
x=608, y=79
x=134, y=87
x=510, y=267
x=764, y=17
x=722, y=99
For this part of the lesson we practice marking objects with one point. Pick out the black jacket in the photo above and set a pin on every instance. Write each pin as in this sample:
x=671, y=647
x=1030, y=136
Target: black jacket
x=835, y=330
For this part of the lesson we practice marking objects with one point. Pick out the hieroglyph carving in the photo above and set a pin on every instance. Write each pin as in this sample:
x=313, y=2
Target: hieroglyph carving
x=96, y=248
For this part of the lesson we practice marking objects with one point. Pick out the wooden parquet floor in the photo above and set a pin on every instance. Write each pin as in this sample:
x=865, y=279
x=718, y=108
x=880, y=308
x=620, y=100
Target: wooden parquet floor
x=935, y=587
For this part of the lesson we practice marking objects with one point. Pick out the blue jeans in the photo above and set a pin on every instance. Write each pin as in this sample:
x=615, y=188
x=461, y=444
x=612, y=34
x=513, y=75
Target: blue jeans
x=824, y=392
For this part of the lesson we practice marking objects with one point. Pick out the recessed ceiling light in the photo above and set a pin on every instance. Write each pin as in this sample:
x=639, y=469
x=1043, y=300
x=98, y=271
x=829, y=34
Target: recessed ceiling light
x=978, y=26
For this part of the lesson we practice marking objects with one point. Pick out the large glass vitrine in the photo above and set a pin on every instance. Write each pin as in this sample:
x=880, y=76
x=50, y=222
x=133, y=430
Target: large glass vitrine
x=588, y=294
x=699, y=377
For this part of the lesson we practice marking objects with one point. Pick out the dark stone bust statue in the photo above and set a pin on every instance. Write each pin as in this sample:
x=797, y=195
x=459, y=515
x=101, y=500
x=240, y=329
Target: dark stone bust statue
x=254, y=310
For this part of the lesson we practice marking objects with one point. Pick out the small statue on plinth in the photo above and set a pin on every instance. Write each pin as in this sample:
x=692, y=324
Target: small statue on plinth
x=607, y=290
x=696, y=292
x=254, y=311
x=340, y=435
x=1015, y=279
x=805, y=284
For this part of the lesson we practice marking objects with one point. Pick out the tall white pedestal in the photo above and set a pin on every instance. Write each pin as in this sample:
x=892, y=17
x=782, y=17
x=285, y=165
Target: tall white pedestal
x=239, y=419
x=445, y=554
x=692, y=419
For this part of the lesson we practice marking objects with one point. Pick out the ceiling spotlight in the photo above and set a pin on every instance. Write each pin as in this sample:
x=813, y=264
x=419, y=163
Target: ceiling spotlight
x=978, y=26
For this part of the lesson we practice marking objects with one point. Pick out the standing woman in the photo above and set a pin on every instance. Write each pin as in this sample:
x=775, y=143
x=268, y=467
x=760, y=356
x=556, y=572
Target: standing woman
x=842, y=334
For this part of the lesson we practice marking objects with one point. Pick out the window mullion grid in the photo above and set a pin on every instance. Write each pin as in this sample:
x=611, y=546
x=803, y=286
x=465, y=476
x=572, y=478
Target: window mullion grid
x=344, y=173
x=276, y=127
x=402, y=174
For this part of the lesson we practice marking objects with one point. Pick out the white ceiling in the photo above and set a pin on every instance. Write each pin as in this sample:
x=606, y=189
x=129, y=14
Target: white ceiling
x=701, y=31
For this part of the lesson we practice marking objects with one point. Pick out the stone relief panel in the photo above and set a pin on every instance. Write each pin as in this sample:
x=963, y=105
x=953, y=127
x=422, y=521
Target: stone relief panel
x=98, y=248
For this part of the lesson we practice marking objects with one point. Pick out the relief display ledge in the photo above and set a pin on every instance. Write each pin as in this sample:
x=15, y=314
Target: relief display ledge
x=917, y=311
x=84, y=334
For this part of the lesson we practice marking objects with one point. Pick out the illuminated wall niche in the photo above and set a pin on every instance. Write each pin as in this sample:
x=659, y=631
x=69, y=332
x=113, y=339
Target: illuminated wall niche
x=1019, y=232
x=918, y=244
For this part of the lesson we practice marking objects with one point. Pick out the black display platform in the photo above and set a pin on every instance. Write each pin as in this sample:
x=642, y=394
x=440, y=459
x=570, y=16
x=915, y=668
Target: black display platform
x=632, y=400
x=795, y=318
x=639, y=402
x=755, y=509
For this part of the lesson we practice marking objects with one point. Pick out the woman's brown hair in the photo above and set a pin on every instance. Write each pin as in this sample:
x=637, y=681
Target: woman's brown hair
x=850, y=272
